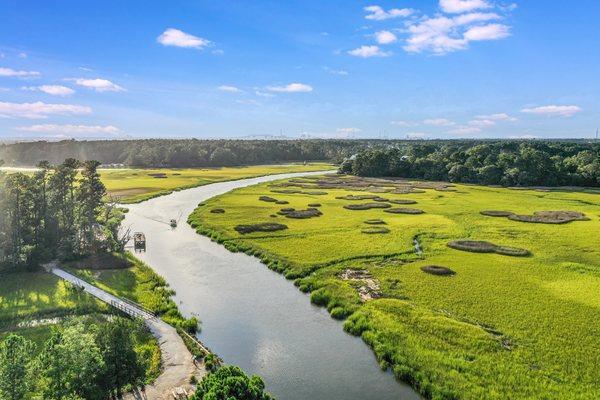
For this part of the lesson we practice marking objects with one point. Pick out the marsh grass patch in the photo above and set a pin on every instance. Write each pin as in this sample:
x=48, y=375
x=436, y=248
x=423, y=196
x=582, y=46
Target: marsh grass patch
x=404, y=210
x=375, y=222
x=217, y=211
x=481, y=246
x=366, y=206
x=437, y=270
x=314, y=205
x=550, y=217
x=402, y=201
x=260, y=227
x=267, y=199
x=373, y=230
x=281, y=202
x=300, y=214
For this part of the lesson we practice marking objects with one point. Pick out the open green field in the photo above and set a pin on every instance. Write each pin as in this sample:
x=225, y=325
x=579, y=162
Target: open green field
x=501, y=327
x=133, y=185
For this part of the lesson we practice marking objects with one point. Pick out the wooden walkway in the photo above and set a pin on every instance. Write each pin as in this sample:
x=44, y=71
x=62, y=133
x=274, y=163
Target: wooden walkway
x=177, y=362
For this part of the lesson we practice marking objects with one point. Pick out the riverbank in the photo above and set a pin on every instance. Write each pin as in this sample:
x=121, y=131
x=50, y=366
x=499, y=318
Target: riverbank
x=482, y=319
x=255, y=320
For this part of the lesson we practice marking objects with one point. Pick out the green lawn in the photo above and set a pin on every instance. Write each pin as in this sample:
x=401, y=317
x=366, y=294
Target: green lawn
x=501, y=327
x=138, y=283
x=133, y=185
x=26, y=296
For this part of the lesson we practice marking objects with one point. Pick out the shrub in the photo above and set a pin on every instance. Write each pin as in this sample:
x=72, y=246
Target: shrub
x=261, y=227
x=267, y=199
x=404, y=211
x=366, y=206
x=437, y=270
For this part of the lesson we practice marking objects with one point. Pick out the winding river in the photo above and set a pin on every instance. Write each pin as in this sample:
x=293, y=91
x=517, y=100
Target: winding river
x=252, y=316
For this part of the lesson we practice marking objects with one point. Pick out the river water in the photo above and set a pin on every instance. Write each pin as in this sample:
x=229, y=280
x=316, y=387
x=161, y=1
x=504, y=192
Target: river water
x=252, y=316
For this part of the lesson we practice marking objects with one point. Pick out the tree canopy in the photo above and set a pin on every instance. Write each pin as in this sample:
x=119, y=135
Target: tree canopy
x=230, y=383
x=507, y=163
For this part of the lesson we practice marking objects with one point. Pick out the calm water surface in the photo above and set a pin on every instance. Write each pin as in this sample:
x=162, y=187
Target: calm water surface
x=252, y=316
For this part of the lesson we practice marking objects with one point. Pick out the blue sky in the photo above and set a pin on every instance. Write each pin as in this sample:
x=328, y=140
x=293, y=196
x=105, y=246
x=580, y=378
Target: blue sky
x=206, y=69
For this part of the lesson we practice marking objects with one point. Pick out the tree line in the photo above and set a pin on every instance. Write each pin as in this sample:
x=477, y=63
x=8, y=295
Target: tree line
x=180, y=153
x=80, y=361
x=55, y=213
x=507, y=163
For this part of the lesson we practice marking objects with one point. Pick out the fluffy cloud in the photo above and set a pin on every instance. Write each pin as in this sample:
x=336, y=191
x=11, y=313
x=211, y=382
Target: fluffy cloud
x=402, y=123
x=497, y=117
x=54, y=90
x=487, y=32
x=553, y=111
x=8, y=72
x=377, y=13
x=482, y=123
x=385, y=37
x=39, y=110
x=336, y=71
x=230, y=89
x=291, y=88
x=461, y=6
x=369, y=51
x=438, y=122
x=465, y=130
x=177, y=38
x=99, y=85
x=441, y=34
x=70, y=129
x=348, y=132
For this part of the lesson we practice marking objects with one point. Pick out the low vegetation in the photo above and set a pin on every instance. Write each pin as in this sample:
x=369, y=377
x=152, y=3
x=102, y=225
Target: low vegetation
x=131, y=185
x=228, y=383
x=499, y=327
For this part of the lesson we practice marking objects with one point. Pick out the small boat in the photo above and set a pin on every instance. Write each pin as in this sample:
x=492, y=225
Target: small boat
x=173, y=223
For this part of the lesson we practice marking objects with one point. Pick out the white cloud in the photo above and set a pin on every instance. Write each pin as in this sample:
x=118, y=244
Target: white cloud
x=523, y=137
x=40, y=110
x=22, y=55
x=441, y=35
x=559, y=111
x=8, y=72
x=465, y=130
x=177, y=38
x=482, y=123
x=70, y=129
x=385, y=37
x=415, y=135
x=291, y=88
x=99, y=85
x=497, y=117
x=402, y=123
x=487, y=32
x=263, y=94
x=231, y=89
x=369, y=51
x=461, y=6
x=336, y=71
x=54, y=90
x=439, y=122
x=4, y=90
x=348, y=132
x=377, y=13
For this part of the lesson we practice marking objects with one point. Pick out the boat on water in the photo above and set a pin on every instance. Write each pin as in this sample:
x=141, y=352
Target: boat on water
x=173, y=223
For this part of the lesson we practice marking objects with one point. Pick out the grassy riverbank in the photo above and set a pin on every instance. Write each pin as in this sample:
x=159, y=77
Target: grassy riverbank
x=500, y=327
x=133, y=185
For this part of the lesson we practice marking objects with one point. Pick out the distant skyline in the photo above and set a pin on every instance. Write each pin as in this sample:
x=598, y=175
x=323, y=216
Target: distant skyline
x=331, y=69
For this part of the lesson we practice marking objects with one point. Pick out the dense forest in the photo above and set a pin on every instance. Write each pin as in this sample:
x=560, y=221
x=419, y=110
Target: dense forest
x=181, y=153
x=85, y=359
x=57, y=212
x=507, y=163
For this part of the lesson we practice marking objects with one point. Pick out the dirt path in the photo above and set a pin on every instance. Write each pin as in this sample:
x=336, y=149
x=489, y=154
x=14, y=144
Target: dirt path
x=177, y=362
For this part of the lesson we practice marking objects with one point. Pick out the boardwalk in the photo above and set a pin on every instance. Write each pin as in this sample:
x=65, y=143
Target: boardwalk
x=177, y=362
